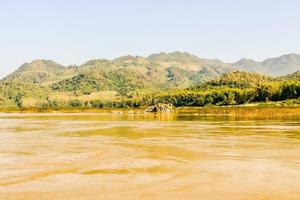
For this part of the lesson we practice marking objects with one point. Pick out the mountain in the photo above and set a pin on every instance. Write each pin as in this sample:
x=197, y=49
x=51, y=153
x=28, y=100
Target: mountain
x=186, y=60
x=45, y=79
x=248, y=65
x=282, y=65
x=278, y=66
x=40, y=71
x=156, y=71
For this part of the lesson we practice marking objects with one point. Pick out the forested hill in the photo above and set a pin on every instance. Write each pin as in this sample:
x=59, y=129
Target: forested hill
x=44, y=81
x=237, y=88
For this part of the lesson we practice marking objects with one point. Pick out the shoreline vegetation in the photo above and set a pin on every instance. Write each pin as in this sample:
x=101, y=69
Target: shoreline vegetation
x=270, y=108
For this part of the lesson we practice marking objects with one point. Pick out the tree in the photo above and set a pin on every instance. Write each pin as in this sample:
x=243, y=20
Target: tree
x=75, y=103
x=265, y=92
x=18, y=100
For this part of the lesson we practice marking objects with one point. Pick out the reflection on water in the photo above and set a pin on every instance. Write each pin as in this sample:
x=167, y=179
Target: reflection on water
x=123, y=156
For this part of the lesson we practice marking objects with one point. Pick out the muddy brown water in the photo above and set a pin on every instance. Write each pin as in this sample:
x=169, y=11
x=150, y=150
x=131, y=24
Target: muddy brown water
x=147, y=156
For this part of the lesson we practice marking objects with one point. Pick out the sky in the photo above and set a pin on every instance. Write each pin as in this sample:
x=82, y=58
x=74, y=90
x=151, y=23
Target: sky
x=74, y=31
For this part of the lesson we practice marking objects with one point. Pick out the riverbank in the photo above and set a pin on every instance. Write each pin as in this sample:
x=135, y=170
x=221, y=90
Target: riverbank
x=246, y=109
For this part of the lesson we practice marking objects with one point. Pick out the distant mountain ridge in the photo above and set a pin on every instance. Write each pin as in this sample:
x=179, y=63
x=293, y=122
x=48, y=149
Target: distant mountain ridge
x=42, y=70
x=279, y=66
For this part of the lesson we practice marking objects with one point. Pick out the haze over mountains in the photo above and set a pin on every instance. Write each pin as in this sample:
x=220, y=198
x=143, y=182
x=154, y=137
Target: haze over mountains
x=279, y=66
x=158, y=71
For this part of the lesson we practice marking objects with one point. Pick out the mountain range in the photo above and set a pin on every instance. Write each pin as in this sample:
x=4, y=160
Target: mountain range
x=39, y=78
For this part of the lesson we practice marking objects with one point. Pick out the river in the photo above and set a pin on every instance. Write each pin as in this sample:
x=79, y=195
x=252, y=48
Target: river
x=147, y=156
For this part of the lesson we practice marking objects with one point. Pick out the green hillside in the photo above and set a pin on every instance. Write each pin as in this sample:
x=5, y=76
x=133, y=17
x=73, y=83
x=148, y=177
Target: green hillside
x=141, y=80
x=40, y=72
x=240, y=79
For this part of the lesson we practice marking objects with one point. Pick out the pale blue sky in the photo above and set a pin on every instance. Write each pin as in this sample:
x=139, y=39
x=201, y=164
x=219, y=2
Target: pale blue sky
x=73, y=31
